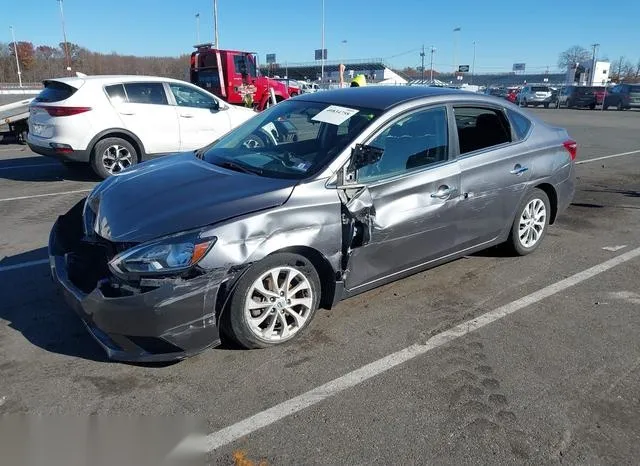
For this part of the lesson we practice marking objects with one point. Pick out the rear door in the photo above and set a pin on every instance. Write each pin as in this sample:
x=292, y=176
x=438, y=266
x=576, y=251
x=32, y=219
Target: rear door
x=202, y=118
x=494, y=168
x=145, y=111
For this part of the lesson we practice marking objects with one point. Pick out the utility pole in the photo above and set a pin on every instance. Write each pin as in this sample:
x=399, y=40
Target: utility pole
x=216, y=45
x=64, y=36
x=473, y=65
x=431, y=66
x=455, y=49
x=197, y=28
x=593, y=65
x=422, y=67
x=15, y=51
x=322, y=49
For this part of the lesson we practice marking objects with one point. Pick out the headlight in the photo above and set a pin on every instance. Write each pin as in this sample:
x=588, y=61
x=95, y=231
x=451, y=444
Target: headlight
x=169, y=255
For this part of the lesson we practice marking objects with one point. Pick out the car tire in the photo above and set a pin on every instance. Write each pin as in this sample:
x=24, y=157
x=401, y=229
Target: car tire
x=112, y=155
x=278, y=321
x=530, y=223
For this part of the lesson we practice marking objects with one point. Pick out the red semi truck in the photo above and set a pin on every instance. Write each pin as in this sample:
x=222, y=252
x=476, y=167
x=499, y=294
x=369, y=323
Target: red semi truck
x=233, y=76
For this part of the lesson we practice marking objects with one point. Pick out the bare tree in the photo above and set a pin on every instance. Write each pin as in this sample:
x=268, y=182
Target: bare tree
x=571, y=56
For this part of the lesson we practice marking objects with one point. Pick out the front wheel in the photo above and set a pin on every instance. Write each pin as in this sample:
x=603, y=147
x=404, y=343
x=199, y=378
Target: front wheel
x=274, y=301
x=531, y=222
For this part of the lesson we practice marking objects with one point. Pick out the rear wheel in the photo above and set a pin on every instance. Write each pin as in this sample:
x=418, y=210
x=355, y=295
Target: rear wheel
x=531, y=222
x=274, y=301
x=111, y=156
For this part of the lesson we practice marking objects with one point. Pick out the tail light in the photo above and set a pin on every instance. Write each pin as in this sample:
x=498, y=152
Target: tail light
x=572, y=148
x=57, y=111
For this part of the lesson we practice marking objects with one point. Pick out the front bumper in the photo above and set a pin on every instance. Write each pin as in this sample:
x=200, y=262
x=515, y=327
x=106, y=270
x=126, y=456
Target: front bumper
x=171, y=321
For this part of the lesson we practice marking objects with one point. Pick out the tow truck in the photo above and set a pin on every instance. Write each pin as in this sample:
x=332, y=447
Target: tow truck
x=233, y=76
x=15, y=115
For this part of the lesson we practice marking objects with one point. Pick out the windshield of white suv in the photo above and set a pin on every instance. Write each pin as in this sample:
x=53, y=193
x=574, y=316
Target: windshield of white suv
x=294, y=139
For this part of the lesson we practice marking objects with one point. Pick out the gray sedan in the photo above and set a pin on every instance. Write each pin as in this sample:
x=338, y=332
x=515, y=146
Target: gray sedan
x=317, y=199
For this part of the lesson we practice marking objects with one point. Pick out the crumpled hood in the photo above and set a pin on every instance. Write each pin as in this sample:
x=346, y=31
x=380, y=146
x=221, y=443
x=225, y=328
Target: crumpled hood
x=178, y=193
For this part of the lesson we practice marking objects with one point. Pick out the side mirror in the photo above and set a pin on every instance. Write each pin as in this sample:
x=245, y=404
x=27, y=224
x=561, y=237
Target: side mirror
x=363, y=155
x=215, y=106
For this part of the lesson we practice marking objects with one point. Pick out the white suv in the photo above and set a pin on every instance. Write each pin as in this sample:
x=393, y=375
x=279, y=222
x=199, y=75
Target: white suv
x=113, y=122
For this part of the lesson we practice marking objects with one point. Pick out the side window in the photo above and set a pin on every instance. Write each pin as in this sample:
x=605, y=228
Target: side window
x=479, y=128
x=521, y=124
x=188, y=97
x=116, y=93
x=146, y=93
x=415, y=141
x=239, y=63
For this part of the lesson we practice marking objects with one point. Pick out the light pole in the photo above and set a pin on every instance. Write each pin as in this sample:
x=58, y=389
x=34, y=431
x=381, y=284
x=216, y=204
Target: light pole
x=422, y=67
x=455, y=48
x=15, y=51
x=215, y=24
x=473, y=64
x=431, y=66
x=593, y=65
x=64, y=37
x=197, y=28
x=322, y=48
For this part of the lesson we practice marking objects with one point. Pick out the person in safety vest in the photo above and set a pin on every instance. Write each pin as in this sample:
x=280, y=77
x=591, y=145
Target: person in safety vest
x=359, y=81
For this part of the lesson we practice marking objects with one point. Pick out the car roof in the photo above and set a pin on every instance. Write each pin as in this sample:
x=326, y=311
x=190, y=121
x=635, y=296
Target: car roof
x=77, y=81
x=378, y=97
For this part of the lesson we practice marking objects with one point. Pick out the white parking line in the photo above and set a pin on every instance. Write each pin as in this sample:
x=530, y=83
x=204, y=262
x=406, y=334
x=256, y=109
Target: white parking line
x=608, y=157
x=22, y=265
x=31, y=166
x=44, y=195
x=265, y=418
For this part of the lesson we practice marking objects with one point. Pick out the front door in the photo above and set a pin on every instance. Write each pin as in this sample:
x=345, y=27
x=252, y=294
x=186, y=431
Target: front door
x=202, y=118
x=413, y=192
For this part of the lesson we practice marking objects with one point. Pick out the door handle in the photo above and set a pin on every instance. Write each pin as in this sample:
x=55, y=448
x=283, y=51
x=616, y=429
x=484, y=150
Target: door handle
x=443, y=192
x=518, y=170
x=127, y=113
x=186, y=115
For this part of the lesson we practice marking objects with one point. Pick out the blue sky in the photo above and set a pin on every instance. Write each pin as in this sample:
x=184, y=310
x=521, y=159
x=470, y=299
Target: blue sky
x=534, y=32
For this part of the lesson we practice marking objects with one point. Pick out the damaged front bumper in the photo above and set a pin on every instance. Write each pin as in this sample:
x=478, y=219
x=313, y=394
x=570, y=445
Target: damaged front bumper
x=171, y=320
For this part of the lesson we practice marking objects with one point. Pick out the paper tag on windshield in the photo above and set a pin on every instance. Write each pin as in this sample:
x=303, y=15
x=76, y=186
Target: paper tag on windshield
x=335, y=115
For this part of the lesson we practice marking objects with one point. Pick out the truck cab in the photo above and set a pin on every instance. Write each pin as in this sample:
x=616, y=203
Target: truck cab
x=233, y=76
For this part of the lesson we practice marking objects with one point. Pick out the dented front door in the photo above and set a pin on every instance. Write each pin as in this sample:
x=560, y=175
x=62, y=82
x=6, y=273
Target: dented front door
x=402, y=224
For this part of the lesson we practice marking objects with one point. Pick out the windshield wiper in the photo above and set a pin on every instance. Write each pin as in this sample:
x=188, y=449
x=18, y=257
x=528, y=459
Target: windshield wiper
x=240, y=168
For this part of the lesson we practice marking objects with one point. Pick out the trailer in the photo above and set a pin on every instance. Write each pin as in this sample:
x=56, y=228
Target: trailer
x=16, y=116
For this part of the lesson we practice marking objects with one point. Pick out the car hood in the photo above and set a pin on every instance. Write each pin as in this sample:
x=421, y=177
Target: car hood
x=178, y=193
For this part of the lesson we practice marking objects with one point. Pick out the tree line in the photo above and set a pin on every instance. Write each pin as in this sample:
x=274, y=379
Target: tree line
x=44, y=61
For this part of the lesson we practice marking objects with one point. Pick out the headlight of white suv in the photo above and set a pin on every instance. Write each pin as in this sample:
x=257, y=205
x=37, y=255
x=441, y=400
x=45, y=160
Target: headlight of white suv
x=173, y=254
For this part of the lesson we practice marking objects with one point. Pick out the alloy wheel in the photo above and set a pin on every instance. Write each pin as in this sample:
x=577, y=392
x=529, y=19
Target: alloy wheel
x=532, y=223
x=278, y=304
x=116, y=158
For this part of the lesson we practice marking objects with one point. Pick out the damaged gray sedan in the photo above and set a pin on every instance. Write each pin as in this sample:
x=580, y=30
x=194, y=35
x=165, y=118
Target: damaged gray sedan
x=317, y=199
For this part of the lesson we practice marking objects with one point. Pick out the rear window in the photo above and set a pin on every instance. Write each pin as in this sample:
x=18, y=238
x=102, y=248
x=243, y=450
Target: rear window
x=55, y=91
x=540, y=89
x=146, y=93
x=520, y=123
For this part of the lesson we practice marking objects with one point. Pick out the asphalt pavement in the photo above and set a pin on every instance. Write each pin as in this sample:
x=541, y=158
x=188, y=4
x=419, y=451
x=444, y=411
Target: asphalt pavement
x=488, y=359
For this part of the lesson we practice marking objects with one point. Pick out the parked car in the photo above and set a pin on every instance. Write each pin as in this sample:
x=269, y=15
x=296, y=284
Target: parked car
x=535, y=95
x=623, y=97
x=512, y=94
x=308, y=87
x=496, y=92
x=580, y=96
x=293, y=86
x=380, y=183
x=114, y=122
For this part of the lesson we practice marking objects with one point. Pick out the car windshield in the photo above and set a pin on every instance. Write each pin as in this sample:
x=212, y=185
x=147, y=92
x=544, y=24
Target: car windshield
x=540, y=89
x=294, y=139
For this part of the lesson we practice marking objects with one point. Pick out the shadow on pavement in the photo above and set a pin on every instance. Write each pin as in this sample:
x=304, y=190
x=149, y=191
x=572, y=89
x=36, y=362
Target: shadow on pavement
x=40, y=168
x=32, y=305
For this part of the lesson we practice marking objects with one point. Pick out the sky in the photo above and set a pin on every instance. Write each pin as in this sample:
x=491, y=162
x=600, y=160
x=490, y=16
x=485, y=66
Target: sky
x=505, y=31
